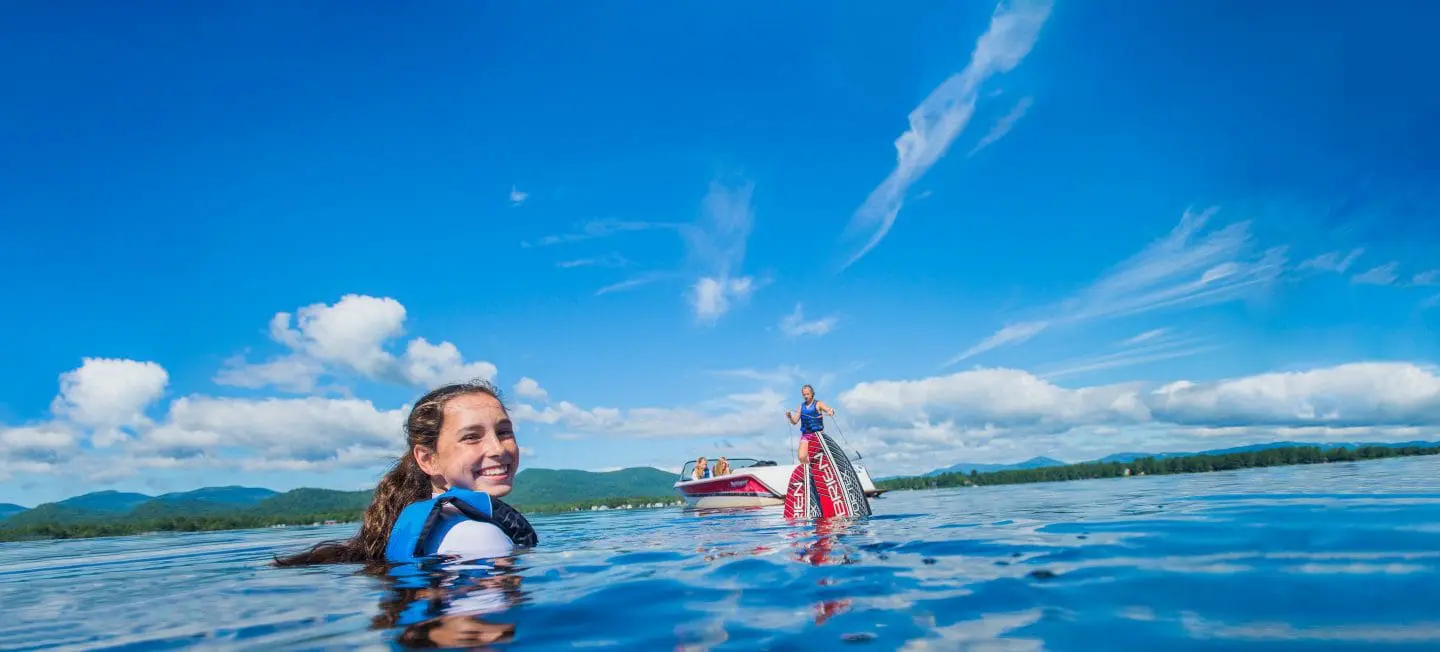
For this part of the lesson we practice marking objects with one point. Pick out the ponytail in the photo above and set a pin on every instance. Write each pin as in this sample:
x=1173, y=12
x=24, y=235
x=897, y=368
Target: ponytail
x=405, y=483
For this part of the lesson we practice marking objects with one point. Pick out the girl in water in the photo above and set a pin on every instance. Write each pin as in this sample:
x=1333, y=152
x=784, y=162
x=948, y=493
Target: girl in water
x=441, y=497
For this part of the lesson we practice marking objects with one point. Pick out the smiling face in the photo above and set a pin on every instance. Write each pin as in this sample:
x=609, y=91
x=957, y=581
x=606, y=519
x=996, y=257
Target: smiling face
x=807, y=394
x=476, y=448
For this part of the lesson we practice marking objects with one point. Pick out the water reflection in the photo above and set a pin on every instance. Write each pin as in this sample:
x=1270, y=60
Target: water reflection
x=450, y=603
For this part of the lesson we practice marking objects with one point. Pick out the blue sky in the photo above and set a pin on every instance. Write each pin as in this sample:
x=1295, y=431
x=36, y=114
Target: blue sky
x=240, y=239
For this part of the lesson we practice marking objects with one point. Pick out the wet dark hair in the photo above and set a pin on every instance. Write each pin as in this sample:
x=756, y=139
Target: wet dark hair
x=403, y=484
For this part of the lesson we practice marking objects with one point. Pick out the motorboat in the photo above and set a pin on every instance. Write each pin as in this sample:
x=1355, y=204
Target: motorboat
x=750, y=483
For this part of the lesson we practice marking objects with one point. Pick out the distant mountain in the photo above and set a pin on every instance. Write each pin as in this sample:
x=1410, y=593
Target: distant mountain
x=7, y=510
x=209, y=500
x=230, y=494
x=1032, y=463
x=84, y=508
x=117, y=502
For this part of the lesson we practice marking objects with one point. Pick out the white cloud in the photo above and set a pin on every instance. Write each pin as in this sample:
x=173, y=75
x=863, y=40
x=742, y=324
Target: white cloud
x=1425, y=279
x=309, y=429
x=1002, y=415
x=735, y=415
x=994, y=396
x=711, y=297
x=528, y=388
x=517, y=197
x=936, y=122
x=1380, y=275
x=350, y=337
x=294, y=373
x=350, y=333
x=1003, y=125
x=107, y=394
x=794, y=324
x=1186, y=268
x=428, y=365
x=44, y=444
x=1358, y=394
x=715, y=247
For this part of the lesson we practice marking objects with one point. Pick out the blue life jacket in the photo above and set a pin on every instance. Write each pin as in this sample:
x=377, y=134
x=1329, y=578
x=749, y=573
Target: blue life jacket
x=810, y=419
x=412, y=531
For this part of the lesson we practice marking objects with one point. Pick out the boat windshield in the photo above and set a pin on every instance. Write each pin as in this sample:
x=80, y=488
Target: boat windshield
x=736, y=463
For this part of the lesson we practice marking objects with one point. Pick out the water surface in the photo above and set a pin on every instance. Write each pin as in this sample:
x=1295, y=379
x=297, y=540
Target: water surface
x=1323, y=557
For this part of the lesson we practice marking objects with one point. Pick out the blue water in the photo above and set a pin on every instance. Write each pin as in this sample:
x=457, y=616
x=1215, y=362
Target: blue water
x=1325, y=557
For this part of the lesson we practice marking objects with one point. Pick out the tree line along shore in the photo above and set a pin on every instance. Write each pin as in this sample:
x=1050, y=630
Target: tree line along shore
x=252, y=519
x=1144, y=466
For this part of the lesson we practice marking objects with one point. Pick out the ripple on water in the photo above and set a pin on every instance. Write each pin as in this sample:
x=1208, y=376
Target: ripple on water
x=1336, y=556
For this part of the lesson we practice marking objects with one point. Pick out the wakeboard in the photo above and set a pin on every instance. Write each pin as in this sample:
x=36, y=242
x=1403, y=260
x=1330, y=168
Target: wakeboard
x=831, y=489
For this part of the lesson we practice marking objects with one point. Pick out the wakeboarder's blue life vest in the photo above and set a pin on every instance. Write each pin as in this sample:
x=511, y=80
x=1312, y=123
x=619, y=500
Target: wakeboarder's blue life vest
x=411, y=532
x=810, y=419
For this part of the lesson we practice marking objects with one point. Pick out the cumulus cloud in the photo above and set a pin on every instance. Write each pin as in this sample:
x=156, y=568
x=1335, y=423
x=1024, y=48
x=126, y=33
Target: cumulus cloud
x=1358, y=394
x=107, y=394
x=941, y=117
x=994, y=396
x=310, y=429
x=529, y=388
x=350, y=337
x=517, y=197
x=734, y=415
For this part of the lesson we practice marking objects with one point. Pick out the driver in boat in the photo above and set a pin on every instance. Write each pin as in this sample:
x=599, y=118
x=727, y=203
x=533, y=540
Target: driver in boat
x=810, y=419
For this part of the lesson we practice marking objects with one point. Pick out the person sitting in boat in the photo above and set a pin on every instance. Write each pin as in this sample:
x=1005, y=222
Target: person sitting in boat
x=811, y=420
x=442, y=496
x=722, y=467
x=702, y=469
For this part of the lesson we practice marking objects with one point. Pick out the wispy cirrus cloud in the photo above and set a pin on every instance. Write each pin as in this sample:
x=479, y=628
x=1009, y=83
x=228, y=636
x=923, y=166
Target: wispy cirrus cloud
x=1426, y=279
x=1150, y=346
x=1003, y=125
x=1332, y=261
x=715, y=247
x=942, y=116
x=598, y=229
x=611, y=259
x=795, y=325
x=517, y=197
x=1385, y=274
x=1188, y=267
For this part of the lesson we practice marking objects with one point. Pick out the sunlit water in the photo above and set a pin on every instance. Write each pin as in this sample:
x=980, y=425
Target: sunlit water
x=1325, y=557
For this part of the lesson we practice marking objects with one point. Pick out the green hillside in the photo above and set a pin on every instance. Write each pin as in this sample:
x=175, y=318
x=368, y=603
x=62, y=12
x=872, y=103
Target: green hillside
x=7, y=510
x=550, y=486
x=222, y=508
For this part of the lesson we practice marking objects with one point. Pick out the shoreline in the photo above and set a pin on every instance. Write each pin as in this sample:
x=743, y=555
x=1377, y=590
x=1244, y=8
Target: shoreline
x=1143, y=466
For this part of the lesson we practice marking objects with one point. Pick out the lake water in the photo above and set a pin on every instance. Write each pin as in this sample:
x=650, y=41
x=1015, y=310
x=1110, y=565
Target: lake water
x=1325, y=557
